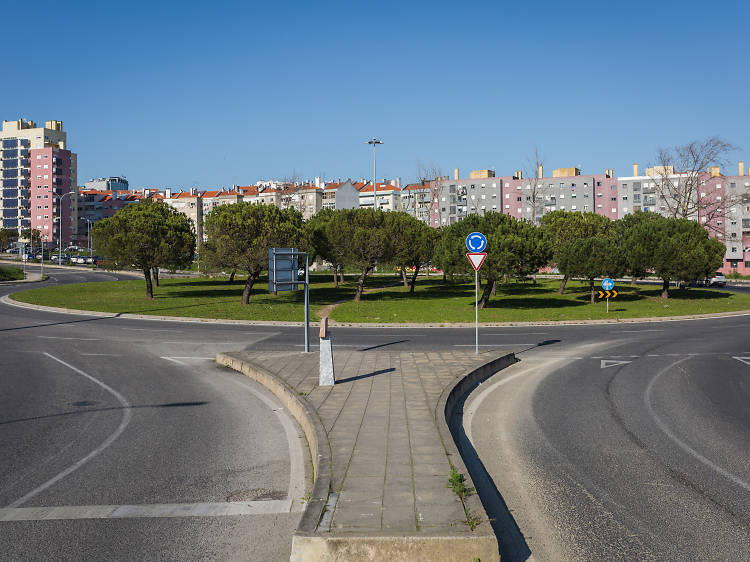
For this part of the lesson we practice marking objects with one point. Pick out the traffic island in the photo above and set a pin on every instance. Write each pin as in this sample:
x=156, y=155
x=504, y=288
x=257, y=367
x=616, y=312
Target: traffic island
x=389, y=483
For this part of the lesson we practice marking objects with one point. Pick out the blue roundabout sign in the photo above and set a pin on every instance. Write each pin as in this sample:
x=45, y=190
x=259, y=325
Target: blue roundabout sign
x=476, y=242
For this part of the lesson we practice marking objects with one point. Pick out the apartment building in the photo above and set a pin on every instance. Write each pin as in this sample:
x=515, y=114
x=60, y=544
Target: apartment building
x=308, y=200
x=114, y=183
x=457, y=197
x=416, y=200
x=341, y=195
x=39, y=178
x=212, y=199
x=189, y=203
x=388, y=195
x=524, y=198
x=567, y=190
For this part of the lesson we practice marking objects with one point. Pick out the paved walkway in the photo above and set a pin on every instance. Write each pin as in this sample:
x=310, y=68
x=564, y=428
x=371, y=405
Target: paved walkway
x=390, y=458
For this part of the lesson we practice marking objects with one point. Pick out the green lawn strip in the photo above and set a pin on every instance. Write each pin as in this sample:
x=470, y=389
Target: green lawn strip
x=196, y=297
x=437, y=302
x=10, y=273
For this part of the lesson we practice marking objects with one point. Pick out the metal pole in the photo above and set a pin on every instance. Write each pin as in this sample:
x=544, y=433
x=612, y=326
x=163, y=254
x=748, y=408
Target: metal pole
x=607, y=305
x=374, y=179
x=59, y=237
x=42, y=243
x=307, y=305
x=476, y=311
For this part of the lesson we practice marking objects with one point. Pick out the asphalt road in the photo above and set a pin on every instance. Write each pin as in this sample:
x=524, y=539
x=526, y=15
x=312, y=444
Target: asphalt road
x=605, y=441
x=97, y=416
x=631, y=444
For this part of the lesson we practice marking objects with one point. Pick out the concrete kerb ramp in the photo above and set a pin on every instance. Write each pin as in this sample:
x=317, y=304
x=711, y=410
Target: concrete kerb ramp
x=455, y=543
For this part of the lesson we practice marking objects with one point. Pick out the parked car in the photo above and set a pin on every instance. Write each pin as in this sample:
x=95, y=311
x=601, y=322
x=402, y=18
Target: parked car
x=718, y=280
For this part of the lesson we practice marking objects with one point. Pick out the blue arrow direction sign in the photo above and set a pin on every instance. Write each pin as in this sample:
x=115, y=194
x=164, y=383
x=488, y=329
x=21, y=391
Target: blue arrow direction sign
x=608, y=284
x=476, y=242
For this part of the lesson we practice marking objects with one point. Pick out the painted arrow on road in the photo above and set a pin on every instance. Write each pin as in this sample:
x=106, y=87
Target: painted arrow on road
x=607, y=294
x=611, y=363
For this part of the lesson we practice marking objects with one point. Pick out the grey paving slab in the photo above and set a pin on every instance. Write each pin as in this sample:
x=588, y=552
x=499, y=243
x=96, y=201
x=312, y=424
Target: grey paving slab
x=390, y=467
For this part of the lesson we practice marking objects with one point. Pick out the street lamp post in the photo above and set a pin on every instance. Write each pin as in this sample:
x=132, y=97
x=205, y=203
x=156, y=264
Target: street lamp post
x=88, y=233
x=59, y=218
x=374, y=142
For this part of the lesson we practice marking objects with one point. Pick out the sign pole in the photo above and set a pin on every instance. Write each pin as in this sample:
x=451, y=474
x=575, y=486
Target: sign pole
x=476, y=311
x=307, y=305
x=476, y=242
x=607, y=305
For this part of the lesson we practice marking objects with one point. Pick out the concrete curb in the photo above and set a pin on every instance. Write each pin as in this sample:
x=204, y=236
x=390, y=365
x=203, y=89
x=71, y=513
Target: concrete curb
x=312, y=426
x=31, y=278
x=444, y=412
x=10, y=301
x=307, y=544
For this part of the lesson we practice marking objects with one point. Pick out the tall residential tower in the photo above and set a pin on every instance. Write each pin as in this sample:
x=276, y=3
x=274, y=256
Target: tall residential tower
x=38, y=172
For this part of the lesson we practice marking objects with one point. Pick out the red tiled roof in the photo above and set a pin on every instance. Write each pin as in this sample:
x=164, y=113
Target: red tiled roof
x=381, y=187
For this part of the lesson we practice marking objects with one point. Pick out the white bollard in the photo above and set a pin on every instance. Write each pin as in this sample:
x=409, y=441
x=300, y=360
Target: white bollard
x=327, y=377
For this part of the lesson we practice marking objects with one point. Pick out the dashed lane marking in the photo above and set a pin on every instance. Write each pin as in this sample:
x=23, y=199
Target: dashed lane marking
x=63, y=338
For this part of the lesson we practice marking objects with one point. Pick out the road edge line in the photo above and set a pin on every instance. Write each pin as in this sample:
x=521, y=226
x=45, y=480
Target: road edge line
x=312, y=427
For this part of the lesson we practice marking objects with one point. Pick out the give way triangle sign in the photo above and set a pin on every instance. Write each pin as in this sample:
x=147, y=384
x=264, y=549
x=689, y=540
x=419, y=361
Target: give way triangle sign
x=476, y=259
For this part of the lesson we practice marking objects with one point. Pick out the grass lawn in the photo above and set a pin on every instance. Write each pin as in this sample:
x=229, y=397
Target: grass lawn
x=433, y=301
x=10, y=273
x=436, y=302
x=197, y=297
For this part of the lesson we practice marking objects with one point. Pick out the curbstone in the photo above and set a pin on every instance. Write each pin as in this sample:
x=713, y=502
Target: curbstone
x=444, y=410
x=7, y=299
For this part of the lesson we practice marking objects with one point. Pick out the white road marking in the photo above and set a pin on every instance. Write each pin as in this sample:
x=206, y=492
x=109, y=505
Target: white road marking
x=126, y=415
x=174, y=360
x=514, y=334
x=491, y=344
x=469, y=413
x=148, y=330
x=745, y=360
x=62, y=338
x=216, y=509
x=680, y=443
x=203, y=342
x=296, y=460
x=611, y=363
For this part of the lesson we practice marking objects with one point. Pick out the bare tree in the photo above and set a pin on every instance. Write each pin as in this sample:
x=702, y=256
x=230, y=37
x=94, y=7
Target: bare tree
x=537, y=189
x=680, y=176
x=432, y=175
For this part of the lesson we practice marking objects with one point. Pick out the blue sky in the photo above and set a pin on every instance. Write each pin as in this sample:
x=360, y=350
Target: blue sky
x=208, y=94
